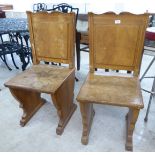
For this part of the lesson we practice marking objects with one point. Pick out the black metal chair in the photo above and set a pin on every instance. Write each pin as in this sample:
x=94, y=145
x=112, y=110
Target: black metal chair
x=66, y=8
x=11, y=47
x=39, y=7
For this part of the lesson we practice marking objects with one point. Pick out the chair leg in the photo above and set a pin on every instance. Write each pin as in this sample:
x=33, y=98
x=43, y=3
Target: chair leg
x=78, y=50
x=4, y=60
x=87, y=113
x=63, y=101
x=13, y=60
x=131, y=119
x=150, y=100
x=152, y=61
x=76, y=79
x=29, y=101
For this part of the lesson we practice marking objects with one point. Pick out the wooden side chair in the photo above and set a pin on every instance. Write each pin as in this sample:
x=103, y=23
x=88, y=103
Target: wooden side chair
x=56, y=45
x=115, y=42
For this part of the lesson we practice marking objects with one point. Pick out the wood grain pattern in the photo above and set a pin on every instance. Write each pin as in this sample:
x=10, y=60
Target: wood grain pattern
x=112, y=90
x=29, y=101
x=131, y=119
x=88, y=113
x=59, y=47
x=44, y=78
x=52, y=39
x=115, y=42
x=63, y=101
x=113, y=51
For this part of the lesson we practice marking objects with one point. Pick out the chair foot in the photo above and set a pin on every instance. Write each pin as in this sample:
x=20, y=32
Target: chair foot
x=30, y=102
x=27, y=117
x=128, y=147
x=76, y=79
x=84, y=140
x=131, y=119
x=62, y=125
x=145, y=119
x=63, y=101
x=87, y=113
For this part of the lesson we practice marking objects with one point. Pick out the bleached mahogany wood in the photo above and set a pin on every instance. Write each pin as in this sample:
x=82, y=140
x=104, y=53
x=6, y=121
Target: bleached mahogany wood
x=52, y=39
x=115, y=42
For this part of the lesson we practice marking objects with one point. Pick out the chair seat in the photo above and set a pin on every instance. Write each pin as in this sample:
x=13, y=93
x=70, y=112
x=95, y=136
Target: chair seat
x=84, y=37
x=112, y=90
x=150, y=33
x=40, y=78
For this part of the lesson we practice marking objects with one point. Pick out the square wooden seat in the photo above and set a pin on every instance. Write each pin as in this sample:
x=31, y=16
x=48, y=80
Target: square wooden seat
x=41, y=78
x=52, y=37
x=115, y=42
x=110, y=89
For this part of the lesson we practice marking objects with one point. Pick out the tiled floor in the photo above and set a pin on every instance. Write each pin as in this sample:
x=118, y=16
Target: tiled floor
x=108, y=129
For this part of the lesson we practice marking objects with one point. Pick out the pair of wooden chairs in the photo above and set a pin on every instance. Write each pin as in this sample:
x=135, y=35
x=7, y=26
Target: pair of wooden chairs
x=116, y=42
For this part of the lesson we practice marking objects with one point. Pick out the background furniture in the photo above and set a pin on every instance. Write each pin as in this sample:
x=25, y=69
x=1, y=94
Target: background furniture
x=149, y=49
x=39, y=7
x=13, y=27
x=122, y=51
x=4, y=7
x=56, y=45
x=82, y=39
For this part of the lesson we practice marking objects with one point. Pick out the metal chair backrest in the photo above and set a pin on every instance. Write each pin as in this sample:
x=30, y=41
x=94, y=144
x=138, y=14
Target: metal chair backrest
x=66, y=8
x=39, y=7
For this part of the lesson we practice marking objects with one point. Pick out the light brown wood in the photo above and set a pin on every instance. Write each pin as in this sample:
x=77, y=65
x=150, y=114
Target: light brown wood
x=112, y=90
x=63, y=101
x=131, y=119
x=59, y=47
x=29, y=101
x=49, y=42
x=113, y=51
x=87, y=113
x=115, y=42
x=44, y=78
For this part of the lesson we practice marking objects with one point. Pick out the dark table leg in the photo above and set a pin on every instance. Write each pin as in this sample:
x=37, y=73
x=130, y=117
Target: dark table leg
x=78, y=49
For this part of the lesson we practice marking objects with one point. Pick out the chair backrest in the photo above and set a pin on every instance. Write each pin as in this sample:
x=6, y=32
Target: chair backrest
x=151, y=19
x=39, y=7
x=116, y=41
x=52, y=37
x=66, y=8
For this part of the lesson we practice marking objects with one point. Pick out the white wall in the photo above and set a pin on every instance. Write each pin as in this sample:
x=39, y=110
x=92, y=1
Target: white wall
x=98, y=6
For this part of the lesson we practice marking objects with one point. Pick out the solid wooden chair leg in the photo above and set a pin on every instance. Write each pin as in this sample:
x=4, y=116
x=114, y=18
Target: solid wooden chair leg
x=29, y=101
x=63, y=101
x=87, y=113
x=131, y=120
